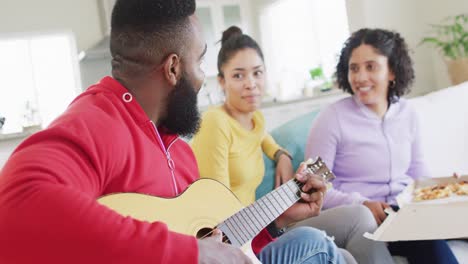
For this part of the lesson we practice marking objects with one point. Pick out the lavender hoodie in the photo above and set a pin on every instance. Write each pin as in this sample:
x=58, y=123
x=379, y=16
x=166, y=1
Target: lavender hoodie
x=373, y=158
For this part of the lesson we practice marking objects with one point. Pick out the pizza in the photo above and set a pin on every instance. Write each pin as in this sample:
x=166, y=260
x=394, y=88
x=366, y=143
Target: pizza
x=462, y=188
x=441, y=190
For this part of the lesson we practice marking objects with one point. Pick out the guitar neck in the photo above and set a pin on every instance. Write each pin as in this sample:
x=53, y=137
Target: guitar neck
x=248, y=222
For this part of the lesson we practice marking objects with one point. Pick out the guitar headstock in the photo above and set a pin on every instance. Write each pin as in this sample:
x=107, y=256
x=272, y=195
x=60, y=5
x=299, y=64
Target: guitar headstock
x=318, y=167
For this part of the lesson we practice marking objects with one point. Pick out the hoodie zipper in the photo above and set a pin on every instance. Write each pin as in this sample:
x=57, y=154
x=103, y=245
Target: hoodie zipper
x=170, y=161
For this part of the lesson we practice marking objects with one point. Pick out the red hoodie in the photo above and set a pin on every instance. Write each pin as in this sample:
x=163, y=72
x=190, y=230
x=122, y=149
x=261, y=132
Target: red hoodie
x=104, y=143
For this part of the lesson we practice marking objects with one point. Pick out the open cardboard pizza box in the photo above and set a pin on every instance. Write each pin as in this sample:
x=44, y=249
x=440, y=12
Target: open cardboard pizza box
x=422, y=220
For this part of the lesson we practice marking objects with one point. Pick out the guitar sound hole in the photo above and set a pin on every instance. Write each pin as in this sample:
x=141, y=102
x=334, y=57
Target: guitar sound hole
x=206, y=232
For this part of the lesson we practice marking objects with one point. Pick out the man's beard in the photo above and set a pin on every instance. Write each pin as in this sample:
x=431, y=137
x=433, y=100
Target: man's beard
x=182, y=116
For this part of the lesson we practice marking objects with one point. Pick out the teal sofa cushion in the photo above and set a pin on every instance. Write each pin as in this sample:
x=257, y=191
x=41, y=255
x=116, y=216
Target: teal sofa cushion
x=292, y=136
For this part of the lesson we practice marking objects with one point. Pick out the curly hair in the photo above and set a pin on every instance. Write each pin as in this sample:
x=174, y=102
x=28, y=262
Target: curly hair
x=232, y=41
x=143, y=32
x=387, y=43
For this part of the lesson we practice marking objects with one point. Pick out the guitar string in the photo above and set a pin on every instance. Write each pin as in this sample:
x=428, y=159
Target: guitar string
x=225, y=239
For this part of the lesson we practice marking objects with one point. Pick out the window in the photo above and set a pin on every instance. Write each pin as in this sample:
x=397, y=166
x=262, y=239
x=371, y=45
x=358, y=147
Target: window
x=106, y=13
x=40, y=77
x=297, y=36
x=215, y=16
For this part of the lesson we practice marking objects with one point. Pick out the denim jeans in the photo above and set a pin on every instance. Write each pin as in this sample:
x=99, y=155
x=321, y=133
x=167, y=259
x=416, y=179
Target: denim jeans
x=424, y=251
x=347, y=224
x=302, y=245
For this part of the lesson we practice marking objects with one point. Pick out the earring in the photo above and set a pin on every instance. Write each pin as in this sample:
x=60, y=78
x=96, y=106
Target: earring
x=392, y=83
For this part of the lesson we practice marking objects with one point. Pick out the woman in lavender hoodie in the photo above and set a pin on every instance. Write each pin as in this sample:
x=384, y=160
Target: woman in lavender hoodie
x=371, y=140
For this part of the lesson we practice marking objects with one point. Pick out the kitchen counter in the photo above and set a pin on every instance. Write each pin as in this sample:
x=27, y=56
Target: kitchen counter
x=321, y=96
x=19, y=135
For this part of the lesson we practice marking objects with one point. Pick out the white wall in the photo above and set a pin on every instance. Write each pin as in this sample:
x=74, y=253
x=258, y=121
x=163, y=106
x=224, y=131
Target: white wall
x=79, y=16
x=446, y=7
x=411, y=19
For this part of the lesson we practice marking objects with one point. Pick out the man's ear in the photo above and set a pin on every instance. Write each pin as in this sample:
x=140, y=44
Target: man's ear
x=172, y=69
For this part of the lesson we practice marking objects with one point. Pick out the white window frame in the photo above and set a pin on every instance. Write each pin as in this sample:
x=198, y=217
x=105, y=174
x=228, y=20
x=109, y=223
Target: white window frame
x=286, y=76
x=46, y=112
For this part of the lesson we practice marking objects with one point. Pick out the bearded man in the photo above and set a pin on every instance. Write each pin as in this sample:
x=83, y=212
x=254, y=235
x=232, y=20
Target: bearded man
x=122, y=135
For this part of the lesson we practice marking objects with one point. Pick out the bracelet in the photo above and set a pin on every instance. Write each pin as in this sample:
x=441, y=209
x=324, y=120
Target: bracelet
x=278, y=153
x=274, y=231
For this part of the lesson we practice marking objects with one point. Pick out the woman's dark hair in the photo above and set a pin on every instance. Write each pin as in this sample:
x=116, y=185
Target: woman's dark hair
x=387, y=43
x=232, y=41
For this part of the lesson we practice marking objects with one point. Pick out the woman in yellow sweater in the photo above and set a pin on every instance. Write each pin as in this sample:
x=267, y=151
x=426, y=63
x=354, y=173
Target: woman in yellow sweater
x=229, y=144
x=232, y=138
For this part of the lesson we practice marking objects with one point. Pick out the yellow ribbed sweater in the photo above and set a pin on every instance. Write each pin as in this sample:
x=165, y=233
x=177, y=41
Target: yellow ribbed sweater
x=231, y=154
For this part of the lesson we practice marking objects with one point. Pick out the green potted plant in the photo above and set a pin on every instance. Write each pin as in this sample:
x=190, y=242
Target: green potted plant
x=451, y=39
x=317, y=82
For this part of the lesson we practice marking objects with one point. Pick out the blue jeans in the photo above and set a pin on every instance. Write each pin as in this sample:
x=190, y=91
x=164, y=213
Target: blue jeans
x=424, y=251
x=302, y=245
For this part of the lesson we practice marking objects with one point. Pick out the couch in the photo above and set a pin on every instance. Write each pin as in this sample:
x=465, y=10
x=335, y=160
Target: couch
x=443, y=117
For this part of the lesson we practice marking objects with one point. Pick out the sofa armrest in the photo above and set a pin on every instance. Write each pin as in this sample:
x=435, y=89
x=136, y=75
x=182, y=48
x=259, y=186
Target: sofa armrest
x=292, y=136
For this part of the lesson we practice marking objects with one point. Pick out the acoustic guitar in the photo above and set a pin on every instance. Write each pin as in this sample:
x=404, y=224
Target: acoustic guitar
x=207, y=204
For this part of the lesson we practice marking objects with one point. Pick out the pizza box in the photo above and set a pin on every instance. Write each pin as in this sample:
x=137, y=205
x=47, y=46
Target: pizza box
x=443, y=218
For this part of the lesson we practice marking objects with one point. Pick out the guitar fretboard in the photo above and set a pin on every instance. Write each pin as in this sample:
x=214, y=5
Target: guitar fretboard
x=247, y=223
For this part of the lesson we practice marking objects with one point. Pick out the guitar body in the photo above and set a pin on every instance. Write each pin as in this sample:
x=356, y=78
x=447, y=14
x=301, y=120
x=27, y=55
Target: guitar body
x=204, y=205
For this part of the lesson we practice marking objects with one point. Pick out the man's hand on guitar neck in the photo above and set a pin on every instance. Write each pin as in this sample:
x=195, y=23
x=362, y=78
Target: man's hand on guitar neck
x=312, y=199
x=211, y=250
